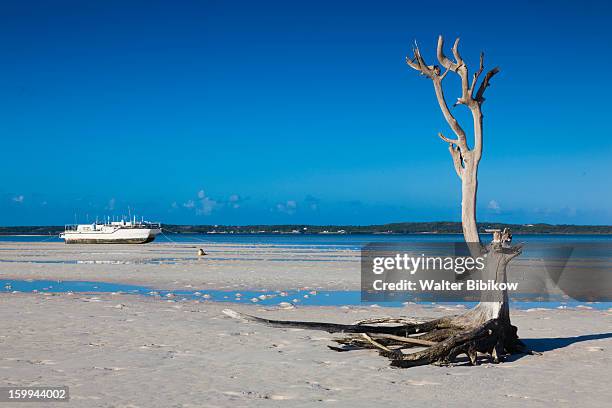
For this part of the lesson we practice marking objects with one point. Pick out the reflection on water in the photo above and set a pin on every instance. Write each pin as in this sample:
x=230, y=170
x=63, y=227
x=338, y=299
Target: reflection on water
x=269, y=298
x=329, y=241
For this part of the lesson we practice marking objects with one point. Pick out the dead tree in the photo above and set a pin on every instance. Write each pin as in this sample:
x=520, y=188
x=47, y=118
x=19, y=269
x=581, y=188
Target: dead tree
x=485, y=329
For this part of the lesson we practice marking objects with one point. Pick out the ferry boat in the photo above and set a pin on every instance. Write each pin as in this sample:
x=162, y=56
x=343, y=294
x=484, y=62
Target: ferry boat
x=115, y=232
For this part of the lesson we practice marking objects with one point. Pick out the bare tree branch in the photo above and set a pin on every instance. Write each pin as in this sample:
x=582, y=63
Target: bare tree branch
x=456, y=53
x=455, y=151
x=485, y=84
x=444, y=60
x=477, y=74
x=418, y=63
x=459, y=147
x=457, y=161
x=411, y=63
x=433, y=72
x=444, y=74
x=450, y=119
x=447, y=140
x=462, y=71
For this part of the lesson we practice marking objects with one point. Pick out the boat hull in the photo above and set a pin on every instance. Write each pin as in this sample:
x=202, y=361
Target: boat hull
x=109, y=241
x=119, y=236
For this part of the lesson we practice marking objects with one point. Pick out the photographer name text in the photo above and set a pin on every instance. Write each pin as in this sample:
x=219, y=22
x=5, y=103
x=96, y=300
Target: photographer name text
x=429, y=285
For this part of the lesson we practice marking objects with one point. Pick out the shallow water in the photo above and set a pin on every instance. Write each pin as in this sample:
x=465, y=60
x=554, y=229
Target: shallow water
x=268, y=298
x=167, y=260
x=335, y=241
x=585, y=246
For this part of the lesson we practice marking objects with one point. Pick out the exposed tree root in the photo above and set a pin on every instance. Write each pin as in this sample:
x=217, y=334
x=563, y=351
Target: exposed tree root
x=484, y=330
x=442, y=340
x=399, y=330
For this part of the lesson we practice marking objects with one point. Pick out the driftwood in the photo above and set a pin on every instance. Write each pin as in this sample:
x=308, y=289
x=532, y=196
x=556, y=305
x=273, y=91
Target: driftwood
x=486, y=329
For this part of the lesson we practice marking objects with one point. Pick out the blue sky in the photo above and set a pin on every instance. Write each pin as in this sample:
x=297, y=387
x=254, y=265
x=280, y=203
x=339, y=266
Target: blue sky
x=218, y=112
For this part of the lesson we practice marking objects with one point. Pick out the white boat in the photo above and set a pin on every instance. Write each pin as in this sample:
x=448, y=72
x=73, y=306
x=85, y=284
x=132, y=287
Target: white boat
x=116, y=232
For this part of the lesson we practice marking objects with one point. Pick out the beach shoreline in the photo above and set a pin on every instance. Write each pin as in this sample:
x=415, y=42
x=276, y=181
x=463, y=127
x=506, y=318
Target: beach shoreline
x=177, y=266
x=227, y=268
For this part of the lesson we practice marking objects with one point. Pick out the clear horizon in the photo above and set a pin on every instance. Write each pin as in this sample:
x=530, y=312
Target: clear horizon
x=209, y=113
x=313, y=225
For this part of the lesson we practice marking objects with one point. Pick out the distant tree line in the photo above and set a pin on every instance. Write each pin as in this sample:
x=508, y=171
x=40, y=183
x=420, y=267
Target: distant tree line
x=439, y=227
x=394, y=228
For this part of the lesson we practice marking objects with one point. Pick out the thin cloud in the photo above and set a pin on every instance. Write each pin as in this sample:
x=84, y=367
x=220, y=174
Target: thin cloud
x=494, y=206
x=204, y=205
x=288, y=207
x=234, y=201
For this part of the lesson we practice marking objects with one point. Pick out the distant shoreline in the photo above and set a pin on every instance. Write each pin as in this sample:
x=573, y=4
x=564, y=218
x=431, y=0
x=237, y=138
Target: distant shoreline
x=433, y=228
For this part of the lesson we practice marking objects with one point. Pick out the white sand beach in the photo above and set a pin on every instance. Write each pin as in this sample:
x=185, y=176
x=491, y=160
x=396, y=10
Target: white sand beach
x=131, y=351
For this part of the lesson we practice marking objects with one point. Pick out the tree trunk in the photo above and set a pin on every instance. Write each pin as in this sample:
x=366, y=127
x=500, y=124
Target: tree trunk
x=493, y=304
x=469, y=187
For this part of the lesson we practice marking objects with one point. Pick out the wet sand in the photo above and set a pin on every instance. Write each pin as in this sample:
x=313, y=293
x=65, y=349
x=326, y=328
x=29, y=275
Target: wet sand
x=176, y=266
